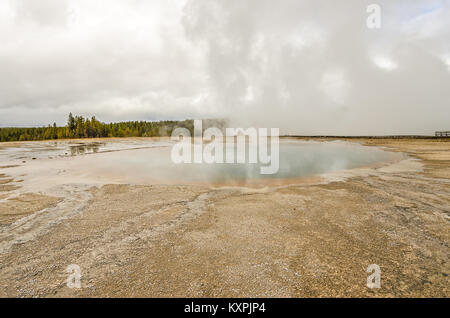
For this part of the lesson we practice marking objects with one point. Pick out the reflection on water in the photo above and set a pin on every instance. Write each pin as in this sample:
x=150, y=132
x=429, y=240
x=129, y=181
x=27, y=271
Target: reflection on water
x=296, y=160
x=82, y=149
x=24, y=151
x=149, y=162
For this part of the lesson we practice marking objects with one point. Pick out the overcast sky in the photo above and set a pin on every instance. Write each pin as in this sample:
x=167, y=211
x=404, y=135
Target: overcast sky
x=306, y=66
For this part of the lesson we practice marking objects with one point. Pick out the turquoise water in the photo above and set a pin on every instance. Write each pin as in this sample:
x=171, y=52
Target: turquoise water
x=296, y=159
x=149, y=162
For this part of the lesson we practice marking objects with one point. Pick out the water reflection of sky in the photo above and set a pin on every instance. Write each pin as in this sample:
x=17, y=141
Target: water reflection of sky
x=296, y=159
x=54, y=149
x=149, y=162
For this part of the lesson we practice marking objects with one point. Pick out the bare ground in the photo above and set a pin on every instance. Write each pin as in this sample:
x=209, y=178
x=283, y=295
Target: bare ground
x=303, y=240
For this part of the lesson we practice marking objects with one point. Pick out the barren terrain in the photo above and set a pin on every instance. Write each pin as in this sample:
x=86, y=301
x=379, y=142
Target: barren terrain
x=312, y=239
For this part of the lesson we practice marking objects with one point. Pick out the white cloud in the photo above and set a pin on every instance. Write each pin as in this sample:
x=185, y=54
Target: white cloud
x=336, y=86
x=385, y=63
x=446, y=60
x=307, y=66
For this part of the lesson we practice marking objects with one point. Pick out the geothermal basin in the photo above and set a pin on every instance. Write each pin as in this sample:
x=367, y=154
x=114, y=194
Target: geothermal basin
x=139, y=225
x=149, y=161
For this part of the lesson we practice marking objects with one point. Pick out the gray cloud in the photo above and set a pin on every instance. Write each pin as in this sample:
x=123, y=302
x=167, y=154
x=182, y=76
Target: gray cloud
x=309, y=67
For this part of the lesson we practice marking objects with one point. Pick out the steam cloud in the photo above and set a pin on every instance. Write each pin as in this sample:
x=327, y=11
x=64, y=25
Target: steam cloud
x=308, y=67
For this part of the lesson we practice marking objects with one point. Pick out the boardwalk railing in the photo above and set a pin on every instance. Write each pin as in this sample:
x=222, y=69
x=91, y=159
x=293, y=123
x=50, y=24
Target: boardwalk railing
x=442, y=133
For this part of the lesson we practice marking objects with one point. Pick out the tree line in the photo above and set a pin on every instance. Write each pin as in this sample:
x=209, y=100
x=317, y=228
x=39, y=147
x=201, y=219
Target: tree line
x=80, y=127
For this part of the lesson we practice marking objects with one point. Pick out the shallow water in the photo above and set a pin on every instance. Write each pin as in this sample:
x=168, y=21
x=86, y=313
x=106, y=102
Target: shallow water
x=296, y=160
x=149, y=162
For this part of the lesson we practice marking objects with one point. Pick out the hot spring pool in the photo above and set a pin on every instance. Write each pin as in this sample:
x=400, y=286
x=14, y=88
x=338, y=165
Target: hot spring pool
x=296, y=159
x=149, y=162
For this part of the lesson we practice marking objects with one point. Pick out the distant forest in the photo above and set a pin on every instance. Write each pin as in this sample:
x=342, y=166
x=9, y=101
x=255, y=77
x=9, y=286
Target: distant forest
x=80, y=127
